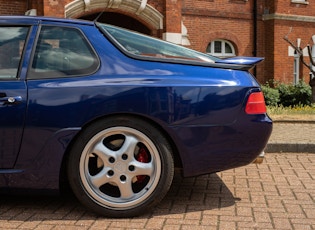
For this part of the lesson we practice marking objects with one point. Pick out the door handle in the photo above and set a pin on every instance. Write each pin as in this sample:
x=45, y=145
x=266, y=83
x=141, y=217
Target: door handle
x=11, y=100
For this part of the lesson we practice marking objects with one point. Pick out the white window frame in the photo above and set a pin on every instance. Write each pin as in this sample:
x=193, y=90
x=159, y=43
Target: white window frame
x=222, y=53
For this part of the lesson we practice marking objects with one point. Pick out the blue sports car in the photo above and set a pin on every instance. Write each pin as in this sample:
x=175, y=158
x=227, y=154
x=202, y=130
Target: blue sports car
x=112, y=112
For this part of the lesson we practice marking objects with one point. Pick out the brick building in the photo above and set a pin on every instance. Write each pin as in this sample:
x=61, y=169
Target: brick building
x=219, y=27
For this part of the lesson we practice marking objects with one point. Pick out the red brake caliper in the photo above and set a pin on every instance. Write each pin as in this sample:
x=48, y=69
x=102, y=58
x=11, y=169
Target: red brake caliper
x=144, y=158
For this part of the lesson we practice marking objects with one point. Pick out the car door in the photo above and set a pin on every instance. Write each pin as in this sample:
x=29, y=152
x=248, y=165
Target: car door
x=13, y=92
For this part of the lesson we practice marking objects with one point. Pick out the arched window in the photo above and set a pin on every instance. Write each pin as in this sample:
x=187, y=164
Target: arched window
x=221, y=48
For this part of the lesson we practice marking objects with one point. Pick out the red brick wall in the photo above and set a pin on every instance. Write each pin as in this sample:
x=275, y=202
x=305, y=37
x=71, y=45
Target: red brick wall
x=17, y=7
x=283, y=64
x=207, y=20
x=220, y=7
x=287, y=7
x=38, y=5
x=159, y=5
x=268, y=50
x=173, y=16
x=278, y=64
x=55, y=7
x=232, y=20
x=261, y=47
x=270, y=5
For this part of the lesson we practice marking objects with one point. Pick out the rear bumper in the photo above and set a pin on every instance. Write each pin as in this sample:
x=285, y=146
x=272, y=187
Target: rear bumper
x=208, y=149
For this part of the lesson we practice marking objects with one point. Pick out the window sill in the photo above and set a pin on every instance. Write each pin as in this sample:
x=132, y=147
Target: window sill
x=300, y=2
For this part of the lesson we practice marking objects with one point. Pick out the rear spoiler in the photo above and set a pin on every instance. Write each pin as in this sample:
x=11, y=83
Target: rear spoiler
x=250, y=62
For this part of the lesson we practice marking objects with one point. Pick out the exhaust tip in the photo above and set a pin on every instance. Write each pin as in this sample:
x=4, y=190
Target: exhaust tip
x=260, y=158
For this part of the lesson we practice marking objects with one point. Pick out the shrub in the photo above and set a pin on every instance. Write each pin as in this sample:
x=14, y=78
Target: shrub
x=272, y=96
x=303, y=94
x=287, y=94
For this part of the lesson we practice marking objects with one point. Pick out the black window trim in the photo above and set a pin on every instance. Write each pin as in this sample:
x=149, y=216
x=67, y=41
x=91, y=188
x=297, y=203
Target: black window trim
x=19, y=68
x=52, y=74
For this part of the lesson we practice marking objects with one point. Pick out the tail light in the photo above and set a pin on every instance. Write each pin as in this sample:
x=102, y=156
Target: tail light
x=256, y=104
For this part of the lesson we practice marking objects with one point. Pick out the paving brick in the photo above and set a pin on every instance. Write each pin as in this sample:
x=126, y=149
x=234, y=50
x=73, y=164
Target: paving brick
x=155, y=223
x=262, y=217
x=171, y=227
x=209, y=220
x=43, y=227
x=282, y=223
x=302, y=227
x=254, y=225
x=278, y=194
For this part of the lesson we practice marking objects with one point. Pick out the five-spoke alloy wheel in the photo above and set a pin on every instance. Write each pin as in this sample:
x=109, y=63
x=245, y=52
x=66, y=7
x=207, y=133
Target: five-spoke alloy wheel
x=120, y=167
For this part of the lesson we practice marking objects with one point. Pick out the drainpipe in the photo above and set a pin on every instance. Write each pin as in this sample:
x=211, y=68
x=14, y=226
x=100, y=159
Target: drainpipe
x=255, y=32
x=28, y=4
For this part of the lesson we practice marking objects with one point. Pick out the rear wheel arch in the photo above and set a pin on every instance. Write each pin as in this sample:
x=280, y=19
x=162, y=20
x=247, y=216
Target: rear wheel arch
x=125, y=120
x=177, y=158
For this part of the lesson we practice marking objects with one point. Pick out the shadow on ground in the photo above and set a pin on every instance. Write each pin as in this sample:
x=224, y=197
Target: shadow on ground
x=186, y=195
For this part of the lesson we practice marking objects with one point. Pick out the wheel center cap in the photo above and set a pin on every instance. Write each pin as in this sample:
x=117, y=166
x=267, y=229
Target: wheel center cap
x=120, y=166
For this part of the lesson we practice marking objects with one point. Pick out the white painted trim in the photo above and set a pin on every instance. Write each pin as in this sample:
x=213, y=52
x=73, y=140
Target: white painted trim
x=31, y=12
x=137, y=7
x=290, y=17
x=142, y=6
x=300, y=2
x=185, y=40
x=114, y=3
x=178, y=38
x=291, y=51
x=173, y=37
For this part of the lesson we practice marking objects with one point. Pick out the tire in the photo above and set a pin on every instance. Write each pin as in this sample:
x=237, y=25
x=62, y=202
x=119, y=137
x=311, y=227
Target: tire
x=120, y=167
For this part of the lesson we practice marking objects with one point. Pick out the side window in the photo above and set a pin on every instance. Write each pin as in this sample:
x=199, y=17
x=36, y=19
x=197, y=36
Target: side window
x=12, y=40
x=221, y=48
x=62, y=52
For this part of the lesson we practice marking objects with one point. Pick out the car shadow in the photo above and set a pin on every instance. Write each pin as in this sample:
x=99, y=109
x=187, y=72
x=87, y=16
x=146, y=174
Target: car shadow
x=207, y=192
x=186, y=195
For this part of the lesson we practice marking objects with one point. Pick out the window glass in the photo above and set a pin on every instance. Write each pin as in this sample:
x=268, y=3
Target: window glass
x=142, y=45
x=62, y=52
x=228, y=48
x=221, y=48
x=217, y=47
x=12, y=40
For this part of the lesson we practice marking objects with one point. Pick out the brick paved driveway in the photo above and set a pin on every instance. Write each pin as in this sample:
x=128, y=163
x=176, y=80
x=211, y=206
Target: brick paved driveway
x=278, y=194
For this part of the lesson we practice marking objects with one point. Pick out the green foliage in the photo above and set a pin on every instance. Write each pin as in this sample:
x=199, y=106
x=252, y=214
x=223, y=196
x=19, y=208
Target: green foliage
x=303, y=93
x=272, y=96
x=287, y=95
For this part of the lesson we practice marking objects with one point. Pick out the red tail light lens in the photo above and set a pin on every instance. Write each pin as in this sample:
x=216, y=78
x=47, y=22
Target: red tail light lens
x=256, y=104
